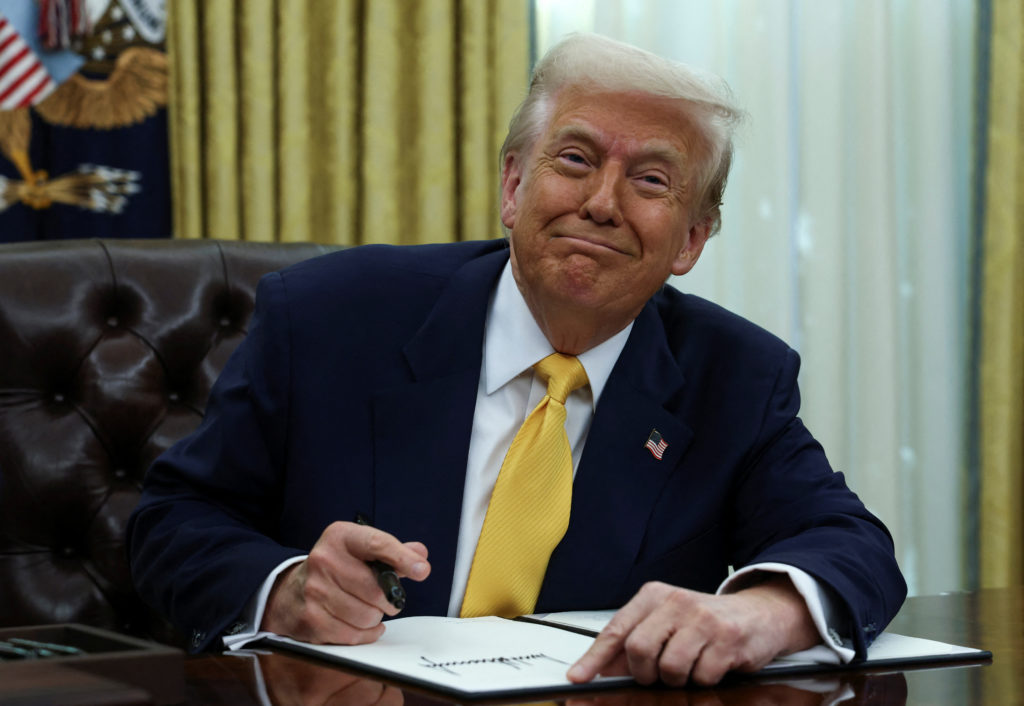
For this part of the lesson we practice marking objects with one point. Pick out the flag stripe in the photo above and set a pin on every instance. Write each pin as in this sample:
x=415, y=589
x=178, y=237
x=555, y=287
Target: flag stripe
x=44, y=87
x=21, y=82
x=23, y=78
x=16, y=81
x=23, y=90
x=10, y=40
x=7, y=41
x=14, y=60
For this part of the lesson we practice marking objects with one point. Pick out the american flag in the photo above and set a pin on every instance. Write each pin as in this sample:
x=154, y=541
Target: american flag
x=24, y=81
x=655, y=444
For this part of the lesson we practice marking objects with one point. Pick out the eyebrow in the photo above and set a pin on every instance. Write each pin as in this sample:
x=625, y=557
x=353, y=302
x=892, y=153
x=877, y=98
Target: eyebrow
x=577, y=131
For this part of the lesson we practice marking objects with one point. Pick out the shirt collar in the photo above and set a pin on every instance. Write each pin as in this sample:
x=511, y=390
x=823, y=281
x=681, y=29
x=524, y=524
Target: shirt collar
x=513, y=341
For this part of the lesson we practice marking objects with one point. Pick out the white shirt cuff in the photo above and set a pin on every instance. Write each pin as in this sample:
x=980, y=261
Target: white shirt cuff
x=252, y=615
x=833, y=649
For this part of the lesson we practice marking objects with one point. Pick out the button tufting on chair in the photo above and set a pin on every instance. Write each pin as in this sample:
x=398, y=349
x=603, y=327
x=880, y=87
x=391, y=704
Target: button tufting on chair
x=108, y=350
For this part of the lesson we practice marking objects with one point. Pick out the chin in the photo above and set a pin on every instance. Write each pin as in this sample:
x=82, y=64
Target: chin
x=581, y=290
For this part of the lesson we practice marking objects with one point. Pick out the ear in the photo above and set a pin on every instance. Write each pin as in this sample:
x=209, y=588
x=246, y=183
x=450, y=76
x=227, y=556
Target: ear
x=511, y=176
x=687, y=257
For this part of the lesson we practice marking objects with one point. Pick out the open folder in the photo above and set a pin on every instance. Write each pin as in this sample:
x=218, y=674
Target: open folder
x=498, y=657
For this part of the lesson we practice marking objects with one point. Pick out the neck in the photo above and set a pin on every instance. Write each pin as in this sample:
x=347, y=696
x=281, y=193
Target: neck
x=574, y=331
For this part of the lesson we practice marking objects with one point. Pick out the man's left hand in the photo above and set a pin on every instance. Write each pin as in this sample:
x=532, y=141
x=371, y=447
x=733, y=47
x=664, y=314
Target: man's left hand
x=681, y=636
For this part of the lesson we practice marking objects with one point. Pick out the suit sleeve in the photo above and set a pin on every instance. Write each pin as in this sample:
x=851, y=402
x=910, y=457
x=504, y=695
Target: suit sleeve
x=791, y=508
x=198, y=540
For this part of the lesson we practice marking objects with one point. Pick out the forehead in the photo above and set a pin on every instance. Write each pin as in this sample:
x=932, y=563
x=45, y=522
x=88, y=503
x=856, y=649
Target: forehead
x=631, y=121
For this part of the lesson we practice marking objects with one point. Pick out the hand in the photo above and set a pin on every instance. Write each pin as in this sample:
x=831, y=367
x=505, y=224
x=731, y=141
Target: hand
x=679, y=636
x=332, y=596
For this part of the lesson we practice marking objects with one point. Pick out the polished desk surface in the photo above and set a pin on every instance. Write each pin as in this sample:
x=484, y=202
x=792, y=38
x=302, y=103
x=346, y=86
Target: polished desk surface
x=990, y=619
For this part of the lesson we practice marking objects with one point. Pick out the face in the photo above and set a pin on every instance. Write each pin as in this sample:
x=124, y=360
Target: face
x=601, y=209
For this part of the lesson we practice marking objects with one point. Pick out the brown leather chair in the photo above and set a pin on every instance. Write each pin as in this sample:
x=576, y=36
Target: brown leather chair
x=107, y=353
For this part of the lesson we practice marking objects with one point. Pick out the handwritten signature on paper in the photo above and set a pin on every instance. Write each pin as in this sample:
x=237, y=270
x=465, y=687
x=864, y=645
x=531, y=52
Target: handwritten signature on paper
x=515, y=662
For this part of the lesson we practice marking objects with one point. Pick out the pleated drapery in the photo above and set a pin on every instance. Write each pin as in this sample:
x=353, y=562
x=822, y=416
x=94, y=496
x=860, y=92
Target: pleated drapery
x=342, y=121
x=1001, y=373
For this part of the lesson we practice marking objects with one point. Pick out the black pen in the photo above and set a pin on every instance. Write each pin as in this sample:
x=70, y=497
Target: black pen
x=387, y=579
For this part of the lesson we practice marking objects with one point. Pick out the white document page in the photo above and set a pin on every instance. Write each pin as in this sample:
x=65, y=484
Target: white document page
x=467, y=655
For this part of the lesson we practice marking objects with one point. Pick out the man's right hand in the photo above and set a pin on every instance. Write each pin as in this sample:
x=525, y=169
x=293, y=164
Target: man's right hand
x=332, y=596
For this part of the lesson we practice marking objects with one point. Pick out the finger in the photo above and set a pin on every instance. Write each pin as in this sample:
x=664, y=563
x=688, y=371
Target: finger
x=373, y=582
x=418, y=547
x=720, y=657
x=318, y=625
x=372, y=588
x=679, y=656
x=361, y=606
x=617, y=667
x=709, y=668
x=349, y=635
x=644, y=645
x=369, y=544
x=346, y=585
x=610, y=643
x=605, y=648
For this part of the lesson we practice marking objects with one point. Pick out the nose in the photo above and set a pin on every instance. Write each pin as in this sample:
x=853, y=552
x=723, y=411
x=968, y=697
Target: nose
x=601, y=202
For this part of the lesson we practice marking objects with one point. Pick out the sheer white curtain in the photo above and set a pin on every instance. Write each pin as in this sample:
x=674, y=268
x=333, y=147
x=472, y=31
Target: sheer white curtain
x=845, y=226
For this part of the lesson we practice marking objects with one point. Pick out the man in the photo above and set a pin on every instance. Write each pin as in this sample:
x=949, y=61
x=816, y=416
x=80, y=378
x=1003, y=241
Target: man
x=392, y=382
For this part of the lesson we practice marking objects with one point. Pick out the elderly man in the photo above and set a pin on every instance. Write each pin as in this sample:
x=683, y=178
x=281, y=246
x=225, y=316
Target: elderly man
x=662, y=450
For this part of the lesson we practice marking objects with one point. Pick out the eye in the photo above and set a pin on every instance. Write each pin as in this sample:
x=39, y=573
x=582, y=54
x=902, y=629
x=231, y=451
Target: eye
x=573, y=158
x=652, y=182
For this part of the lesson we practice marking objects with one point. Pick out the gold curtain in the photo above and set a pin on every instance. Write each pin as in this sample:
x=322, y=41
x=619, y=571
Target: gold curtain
x=1001, y=374
x=342, y=121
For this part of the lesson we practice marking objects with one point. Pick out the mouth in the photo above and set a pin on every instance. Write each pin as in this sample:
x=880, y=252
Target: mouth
x=587, y=243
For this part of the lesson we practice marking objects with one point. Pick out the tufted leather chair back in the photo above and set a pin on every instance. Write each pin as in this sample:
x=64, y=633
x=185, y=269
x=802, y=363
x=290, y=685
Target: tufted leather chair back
x=108, y=350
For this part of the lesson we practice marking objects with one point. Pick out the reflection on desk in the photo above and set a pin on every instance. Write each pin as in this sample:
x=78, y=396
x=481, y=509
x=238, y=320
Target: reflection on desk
x=848, y=689
x=298, y=683
x=287, y=680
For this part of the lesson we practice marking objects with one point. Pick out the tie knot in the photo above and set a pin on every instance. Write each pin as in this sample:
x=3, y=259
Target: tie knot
x=564, y=373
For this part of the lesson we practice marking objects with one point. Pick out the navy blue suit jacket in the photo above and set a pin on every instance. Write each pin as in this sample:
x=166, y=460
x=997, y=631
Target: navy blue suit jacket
x=354, y=391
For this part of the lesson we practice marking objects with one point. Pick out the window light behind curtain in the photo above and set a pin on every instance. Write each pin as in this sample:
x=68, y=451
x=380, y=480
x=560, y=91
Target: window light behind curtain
x=845, y=227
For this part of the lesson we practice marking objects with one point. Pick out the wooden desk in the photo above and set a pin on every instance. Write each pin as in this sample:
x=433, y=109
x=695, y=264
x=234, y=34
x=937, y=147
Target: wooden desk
x=990, y=619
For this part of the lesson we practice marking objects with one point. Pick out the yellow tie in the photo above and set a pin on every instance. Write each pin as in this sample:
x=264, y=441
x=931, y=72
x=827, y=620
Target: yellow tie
x=529, y=509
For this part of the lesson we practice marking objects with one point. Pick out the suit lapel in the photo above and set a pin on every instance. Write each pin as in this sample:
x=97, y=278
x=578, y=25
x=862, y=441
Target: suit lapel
x=619, y=479
x=422, y=428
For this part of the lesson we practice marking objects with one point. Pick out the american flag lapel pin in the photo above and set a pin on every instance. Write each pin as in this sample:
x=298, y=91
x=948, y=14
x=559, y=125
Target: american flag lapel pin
x=655, y=444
